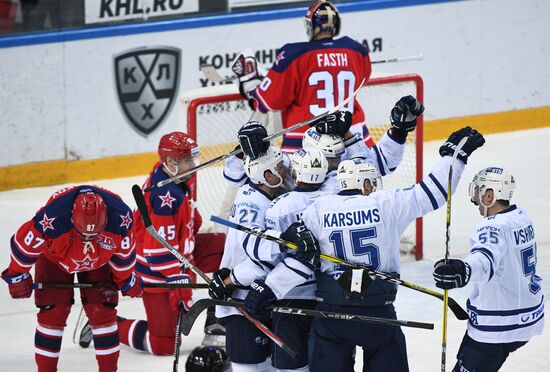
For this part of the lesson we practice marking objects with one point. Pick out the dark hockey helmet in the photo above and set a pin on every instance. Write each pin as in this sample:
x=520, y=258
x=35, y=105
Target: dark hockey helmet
x=207, y=359
x=177, y=145
x=322, y=17
x=89, y=214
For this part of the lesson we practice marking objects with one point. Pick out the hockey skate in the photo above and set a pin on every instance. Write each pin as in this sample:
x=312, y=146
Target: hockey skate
x=85, y=338
x=214, y=330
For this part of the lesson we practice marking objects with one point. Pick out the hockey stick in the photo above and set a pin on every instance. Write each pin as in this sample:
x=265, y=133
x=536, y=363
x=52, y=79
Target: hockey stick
x=446, y=297
x=181, y=312
x=107, y=285
x=214, y=76
x=142, y=207
x=268, y=138
x=201, y=305
x=459, y=312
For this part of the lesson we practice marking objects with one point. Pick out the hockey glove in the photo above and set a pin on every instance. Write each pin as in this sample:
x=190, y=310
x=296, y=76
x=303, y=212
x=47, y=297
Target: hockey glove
x=337, y=123
x=403, y=117
x=217, y=288
x=454, y=274
x=19, y=284
x=475, y=140
x=246, y=69
x=133, y=287
x=308, y=247
x=251, y=139
x=177, y=296
x=258, y=298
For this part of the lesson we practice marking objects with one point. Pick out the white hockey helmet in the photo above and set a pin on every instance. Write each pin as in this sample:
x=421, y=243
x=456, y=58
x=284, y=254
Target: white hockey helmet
x=332, y=146
x=309, y=166
x=353, y=173
x=256, y=168
x=497, y=179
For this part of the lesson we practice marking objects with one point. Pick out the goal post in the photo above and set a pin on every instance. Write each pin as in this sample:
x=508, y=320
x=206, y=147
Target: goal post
x=213, y=115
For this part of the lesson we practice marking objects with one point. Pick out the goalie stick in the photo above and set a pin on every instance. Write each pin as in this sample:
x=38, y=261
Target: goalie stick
x=458, y=311
x=142, y=207
x=213, y=75
x=201, y=305
x=268, y=138
x=107, y=285
x=446, y=297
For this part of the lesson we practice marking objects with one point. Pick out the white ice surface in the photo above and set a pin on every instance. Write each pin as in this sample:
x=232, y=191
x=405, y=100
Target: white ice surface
x=524, y=153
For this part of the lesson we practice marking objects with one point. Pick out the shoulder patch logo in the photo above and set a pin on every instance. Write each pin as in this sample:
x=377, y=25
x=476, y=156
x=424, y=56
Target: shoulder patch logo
x=167, y=200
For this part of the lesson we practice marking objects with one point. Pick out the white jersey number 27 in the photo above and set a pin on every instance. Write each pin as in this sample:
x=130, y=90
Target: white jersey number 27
x=343, y=84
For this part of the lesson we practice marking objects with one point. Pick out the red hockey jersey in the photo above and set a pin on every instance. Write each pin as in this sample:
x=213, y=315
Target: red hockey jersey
x=309, y=78
x=51, y=233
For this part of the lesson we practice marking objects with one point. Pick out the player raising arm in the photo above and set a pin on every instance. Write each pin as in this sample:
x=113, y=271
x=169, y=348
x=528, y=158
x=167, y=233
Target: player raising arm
x=309, y=78
x=506, y=306
x=83, y=230
x=363, y=226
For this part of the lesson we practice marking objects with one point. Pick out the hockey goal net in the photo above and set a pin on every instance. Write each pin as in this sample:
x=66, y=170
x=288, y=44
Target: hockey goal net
x=213, y=115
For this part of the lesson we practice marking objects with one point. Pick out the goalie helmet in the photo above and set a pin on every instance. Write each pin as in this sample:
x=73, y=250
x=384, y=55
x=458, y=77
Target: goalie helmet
x=353, y=173
x=89, y=215
x=322, y=17
x=207, y=359
x=255, y=168
x=309, y=166
x=332, y=146
x=177, y=145
x=499, y=180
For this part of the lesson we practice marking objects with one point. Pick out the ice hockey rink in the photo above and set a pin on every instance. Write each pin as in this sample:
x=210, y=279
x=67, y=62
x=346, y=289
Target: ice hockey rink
x=525, y=153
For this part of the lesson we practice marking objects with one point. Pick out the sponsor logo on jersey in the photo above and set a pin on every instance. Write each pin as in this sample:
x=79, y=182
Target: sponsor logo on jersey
x=147, y=80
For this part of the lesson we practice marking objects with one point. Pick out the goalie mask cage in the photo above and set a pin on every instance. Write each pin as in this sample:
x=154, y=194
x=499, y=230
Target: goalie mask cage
x=213, y=115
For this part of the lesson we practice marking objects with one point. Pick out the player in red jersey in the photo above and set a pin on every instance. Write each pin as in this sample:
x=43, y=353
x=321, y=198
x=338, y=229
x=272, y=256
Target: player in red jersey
x=308, y=78
x=175, y=217
x=85, y=230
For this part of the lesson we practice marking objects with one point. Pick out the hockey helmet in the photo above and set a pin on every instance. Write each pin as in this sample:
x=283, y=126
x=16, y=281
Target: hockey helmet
x=255, y=168
x=89, y=214
x=497, y=179
x=331, y=145
x=207, y=359
x=177, y=145
x=309, y=166
x=353, y=173
x=322, y=17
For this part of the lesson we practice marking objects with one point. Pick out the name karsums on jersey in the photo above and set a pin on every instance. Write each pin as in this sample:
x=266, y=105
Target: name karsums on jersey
x=351, y=218
x=332, y=60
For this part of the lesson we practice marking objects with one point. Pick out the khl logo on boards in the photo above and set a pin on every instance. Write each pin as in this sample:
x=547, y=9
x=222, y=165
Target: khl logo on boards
x=147, y=79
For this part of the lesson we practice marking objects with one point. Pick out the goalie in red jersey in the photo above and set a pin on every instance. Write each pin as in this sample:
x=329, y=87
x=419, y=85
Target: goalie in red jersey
x=175, y=217
x=83, y=230
x=309, y=78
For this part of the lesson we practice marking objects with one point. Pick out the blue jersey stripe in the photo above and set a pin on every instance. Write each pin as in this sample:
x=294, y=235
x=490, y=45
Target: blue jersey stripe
x=503, y=328
x=20, y=255
x=234, y=179
x=503, y=312
x=50, y=343
x=123, y=261
x=438, y=185
x=106, y=341
x=430, y=195
x=299, y=272
x=155, y=260
x=379, y=161
x=145, y=270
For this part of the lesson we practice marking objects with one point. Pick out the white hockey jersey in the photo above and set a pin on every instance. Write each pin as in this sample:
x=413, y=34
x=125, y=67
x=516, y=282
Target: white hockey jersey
x=367, y=229
x=290, y=277
x=507, y=303
x=248, y=210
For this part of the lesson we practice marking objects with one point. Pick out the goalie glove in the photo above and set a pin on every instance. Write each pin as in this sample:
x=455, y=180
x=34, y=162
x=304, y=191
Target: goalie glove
x=246, y=69
x=404, y=117
x=337, y=123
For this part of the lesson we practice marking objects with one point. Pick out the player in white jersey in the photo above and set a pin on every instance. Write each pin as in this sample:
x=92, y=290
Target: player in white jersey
x=328, y=135
x=247, y=347
x=291, y=281
x=362, y=226
x=506, y=306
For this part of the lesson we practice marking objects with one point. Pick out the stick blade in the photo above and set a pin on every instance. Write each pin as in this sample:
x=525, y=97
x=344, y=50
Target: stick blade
x=191, y=316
